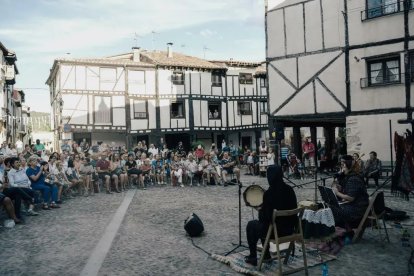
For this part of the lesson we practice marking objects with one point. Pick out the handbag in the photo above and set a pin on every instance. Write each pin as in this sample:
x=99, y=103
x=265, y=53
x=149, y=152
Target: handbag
x=318, y=224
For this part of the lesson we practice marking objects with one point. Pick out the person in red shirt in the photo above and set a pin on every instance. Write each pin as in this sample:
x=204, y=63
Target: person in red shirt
x=199, y=152
x=104, y=171
x=308, y=149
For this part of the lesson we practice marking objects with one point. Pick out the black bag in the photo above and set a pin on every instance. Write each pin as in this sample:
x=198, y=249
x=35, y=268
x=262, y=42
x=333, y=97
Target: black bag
x=193, y=225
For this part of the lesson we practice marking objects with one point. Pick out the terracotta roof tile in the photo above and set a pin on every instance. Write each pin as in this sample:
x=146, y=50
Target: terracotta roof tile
x=177, y=59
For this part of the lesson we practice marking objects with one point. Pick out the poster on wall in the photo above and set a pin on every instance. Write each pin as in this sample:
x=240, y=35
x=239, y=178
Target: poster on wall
x=353, y=135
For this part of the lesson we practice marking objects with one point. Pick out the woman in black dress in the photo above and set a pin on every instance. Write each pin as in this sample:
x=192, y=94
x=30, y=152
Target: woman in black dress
x=352, y=192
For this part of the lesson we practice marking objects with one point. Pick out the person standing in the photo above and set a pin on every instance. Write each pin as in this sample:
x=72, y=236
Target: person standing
x=308, y=149
x=39, y=147
x=19, y=146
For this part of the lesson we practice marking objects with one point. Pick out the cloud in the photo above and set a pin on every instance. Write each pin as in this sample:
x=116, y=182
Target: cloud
x=64, y=26
x=207, y=33
x=52, y=28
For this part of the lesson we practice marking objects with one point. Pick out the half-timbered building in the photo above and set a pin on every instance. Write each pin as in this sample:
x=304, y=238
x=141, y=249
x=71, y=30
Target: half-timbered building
x=146, y=95
x=337, y=63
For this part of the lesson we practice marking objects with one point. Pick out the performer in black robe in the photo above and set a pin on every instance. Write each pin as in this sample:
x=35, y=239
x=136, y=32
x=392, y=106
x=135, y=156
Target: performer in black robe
x=279, y=196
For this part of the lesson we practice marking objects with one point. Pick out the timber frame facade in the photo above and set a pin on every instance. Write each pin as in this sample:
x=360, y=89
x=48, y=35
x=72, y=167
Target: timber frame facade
x=148, y=95
x=341, y=63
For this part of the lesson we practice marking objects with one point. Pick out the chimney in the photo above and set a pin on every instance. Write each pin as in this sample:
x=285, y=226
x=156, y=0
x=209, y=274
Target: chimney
x=169, y=49
x=136, y=54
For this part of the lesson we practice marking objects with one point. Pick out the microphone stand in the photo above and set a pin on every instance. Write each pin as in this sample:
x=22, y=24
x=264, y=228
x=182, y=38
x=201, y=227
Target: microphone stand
x=240, y=239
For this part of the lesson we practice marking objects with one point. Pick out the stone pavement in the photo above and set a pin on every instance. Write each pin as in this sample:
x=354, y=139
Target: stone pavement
x=151, y=239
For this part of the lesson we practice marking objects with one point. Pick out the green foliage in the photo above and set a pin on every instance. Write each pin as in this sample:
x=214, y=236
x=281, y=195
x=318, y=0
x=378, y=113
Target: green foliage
x=195, y=144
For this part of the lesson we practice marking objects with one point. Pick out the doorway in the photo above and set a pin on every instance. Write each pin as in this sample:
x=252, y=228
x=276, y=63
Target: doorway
x=173, y=139
x=78, y=137
x=246, y=141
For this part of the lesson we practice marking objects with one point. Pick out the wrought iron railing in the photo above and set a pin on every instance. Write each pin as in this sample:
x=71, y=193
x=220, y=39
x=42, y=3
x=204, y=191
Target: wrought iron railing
x=381, y=81
x=387, y=9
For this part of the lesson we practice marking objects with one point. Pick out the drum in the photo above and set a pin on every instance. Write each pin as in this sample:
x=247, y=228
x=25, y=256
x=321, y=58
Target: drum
x=253, y=196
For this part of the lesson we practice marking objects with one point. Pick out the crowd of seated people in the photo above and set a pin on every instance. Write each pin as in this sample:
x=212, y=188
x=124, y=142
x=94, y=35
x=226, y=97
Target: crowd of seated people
x=35, y=177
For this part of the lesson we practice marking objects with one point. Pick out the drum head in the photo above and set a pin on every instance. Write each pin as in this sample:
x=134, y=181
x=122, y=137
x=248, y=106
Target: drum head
x=253, y=196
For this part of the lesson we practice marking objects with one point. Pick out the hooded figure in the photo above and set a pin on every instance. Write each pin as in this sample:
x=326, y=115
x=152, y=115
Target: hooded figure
x=279, y=196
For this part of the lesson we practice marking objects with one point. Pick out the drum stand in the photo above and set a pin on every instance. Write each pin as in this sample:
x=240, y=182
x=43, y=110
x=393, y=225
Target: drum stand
x=240, y=239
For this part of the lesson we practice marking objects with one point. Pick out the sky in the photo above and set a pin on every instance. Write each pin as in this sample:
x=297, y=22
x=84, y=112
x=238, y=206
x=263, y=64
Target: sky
x=39, y=31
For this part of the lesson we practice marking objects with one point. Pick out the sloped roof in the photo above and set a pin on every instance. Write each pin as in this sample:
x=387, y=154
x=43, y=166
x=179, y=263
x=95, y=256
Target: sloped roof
x=105, y=61
x=97, y=61
x=237, y=63
x=260, y=70
x=179, y=60
x=287, y=3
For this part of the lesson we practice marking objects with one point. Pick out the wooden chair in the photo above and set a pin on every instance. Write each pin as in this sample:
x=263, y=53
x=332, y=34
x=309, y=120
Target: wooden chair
x=297, y=236
x=374, y=212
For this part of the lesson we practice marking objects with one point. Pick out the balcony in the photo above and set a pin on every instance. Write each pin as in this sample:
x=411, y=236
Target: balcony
x=380, y=81
x=383, y=10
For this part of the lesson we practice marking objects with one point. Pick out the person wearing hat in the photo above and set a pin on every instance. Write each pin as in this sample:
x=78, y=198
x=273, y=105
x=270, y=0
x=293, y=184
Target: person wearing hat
x=352, y=192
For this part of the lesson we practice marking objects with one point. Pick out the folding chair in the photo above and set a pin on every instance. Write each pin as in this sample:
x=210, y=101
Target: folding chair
x=375, y=211
x=297, y=236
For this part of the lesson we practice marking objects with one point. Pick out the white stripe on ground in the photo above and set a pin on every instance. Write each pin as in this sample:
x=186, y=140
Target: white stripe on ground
x=100, y=251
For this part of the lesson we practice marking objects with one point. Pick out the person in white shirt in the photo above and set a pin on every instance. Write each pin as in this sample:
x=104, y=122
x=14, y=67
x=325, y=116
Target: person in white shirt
x=191, y=168
x=153, y=150
x=19, y=146
x=18, y=180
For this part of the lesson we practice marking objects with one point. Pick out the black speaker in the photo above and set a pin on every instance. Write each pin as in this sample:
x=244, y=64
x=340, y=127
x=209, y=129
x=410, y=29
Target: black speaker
x=193, y=225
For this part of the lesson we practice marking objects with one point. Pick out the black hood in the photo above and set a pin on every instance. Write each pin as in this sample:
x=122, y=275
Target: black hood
x=274, y=175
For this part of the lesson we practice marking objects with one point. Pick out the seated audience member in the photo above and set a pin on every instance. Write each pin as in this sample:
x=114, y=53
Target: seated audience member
x=74, y=178
x=115, y=170
x=7, y=204
x=191, y=167
x=177, y=172
x=372, y=168
x=146, y=172
x=103, y=169
x=279, y=196
x=36, y=175
x=86, y=170
x=131, y=167
x=62, y=179
x=228, y=167
x=352, y=191
x=19, y=181
x=158, y=169
x=209, y=169
x=359, y=164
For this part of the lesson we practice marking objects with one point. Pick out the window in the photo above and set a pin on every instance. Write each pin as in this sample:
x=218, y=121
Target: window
x=140, y=110
x=384, y=71
x=376, y=8
x=263, y=107
x=214, y=110
x=245, y=78
x=263, y=82
x=244, y=108
x=178, y=78
x=102, y=110
x=177, y=110
x=216, y=78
